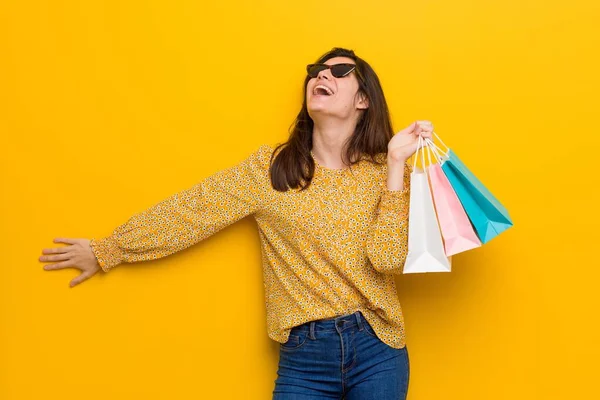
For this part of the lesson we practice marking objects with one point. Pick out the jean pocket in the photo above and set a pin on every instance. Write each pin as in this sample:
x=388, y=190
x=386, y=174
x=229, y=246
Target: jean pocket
x=369, y=329
x=295, y=340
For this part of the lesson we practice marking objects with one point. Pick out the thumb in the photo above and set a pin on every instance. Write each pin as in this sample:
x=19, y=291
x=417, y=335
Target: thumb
x=409, y=129
x=80, y=278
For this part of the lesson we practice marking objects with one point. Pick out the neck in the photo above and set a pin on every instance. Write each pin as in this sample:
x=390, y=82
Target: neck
x=328, y=141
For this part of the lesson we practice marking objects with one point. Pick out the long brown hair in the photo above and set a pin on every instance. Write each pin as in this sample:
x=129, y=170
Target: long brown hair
x=294, y=164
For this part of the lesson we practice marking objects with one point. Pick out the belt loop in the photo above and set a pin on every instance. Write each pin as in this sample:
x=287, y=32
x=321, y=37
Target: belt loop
x=311, y=334
x=358, y=321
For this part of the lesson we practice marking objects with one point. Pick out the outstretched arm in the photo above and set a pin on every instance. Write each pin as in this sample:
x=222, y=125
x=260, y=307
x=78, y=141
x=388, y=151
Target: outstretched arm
x=189, y=216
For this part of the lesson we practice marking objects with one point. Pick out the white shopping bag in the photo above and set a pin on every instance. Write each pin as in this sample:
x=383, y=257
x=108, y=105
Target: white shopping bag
x=425, y=243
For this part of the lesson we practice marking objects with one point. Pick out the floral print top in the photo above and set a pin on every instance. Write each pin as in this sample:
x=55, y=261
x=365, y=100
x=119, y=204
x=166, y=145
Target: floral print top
x=329, y=250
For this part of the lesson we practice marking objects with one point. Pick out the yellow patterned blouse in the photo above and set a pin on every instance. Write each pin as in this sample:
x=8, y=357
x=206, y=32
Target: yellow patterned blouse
x=329, y=250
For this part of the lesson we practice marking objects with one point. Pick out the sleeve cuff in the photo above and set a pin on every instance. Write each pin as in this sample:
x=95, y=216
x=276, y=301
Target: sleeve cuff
x=107, y=252
x=396, y=201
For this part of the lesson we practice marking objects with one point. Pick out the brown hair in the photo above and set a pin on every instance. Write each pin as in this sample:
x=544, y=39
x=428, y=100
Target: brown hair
x=371, y=136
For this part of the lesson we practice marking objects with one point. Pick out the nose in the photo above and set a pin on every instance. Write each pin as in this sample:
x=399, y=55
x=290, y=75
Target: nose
x=324, y=74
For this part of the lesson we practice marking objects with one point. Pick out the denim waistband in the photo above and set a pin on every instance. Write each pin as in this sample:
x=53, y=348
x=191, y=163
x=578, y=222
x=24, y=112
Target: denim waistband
x=334, y=323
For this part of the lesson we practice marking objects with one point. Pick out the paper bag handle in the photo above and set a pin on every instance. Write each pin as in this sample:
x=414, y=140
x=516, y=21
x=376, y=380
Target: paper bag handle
x=436, y=135
x=421, y=147
x=435, y=150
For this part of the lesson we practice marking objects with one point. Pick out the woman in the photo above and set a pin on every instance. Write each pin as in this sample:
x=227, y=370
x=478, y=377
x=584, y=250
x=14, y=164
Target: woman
x=331, y=205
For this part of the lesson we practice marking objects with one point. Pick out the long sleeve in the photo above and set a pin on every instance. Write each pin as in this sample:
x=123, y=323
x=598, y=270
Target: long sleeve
x=189, y=216
x=387, y=241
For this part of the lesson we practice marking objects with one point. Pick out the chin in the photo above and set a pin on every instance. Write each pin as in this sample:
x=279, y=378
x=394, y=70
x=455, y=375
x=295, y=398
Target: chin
x=317, y=107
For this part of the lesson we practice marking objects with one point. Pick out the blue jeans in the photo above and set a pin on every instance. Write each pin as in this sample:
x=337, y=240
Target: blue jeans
x=340, y=358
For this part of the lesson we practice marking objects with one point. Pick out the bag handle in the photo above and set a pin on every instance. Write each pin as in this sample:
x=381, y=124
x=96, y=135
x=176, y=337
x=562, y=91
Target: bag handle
x=435, y=150
x=422, y=141
x=436, y=135
x=432, y=143
x=422, y=146
x=429, y=150
x=433, y=146
x=416, y=155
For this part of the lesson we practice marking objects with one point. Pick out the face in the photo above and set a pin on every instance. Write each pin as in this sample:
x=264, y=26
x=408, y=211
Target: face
x=343, y=102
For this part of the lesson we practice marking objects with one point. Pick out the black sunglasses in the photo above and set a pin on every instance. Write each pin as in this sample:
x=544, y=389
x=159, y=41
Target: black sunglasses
x=337, y=70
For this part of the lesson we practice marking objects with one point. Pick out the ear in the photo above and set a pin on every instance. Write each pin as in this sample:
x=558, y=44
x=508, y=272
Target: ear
x=363, y=101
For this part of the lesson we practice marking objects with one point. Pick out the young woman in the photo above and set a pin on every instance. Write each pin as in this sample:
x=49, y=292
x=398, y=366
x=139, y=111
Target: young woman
x=331, y=206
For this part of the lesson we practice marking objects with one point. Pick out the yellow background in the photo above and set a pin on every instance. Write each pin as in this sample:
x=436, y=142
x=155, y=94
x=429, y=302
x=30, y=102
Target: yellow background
x=108, y=107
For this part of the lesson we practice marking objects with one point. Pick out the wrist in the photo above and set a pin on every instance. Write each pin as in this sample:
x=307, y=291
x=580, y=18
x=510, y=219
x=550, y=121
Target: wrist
x=396, y=160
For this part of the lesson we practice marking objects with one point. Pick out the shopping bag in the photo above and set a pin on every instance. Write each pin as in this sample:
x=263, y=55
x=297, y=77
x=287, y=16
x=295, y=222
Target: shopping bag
x=457, y=232
x=487, y=215
x=425, y=244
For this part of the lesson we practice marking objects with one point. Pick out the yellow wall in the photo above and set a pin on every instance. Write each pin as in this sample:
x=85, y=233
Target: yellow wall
x=108, y=106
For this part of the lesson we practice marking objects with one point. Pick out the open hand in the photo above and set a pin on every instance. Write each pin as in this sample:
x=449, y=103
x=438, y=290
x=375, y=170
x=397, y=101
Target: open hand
x=78, y=255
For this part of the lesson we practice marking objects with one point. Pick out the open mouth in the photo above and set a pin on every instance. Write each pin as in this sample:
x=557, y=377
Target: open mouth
x=322, y=90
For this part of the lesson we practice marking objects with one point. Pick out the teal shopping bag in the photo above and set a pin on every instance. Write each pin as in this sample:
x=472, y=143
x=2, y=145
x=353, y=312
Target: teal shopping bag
x=488, y=216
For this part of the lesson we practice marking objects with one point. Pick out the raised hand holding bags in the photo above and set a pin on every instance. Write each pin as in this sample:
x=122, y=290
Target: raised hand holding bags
x=425, y=245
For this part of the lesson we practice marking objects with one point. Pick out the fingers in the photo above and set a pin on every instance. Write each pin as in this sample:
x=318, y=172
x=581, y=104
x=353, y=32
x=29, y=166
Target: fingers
x=421, y=127
x=60, y=265
x=56, y=250
x=59, y=257
x=409, y=129
x=424, y=128
x=65, y=240
x=80, y=278
x=62, y=254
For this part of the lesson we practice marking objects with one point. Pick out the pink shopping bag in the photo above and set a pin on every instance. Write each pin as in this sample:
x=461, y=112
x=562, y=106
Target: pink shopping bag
x=457, y=231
